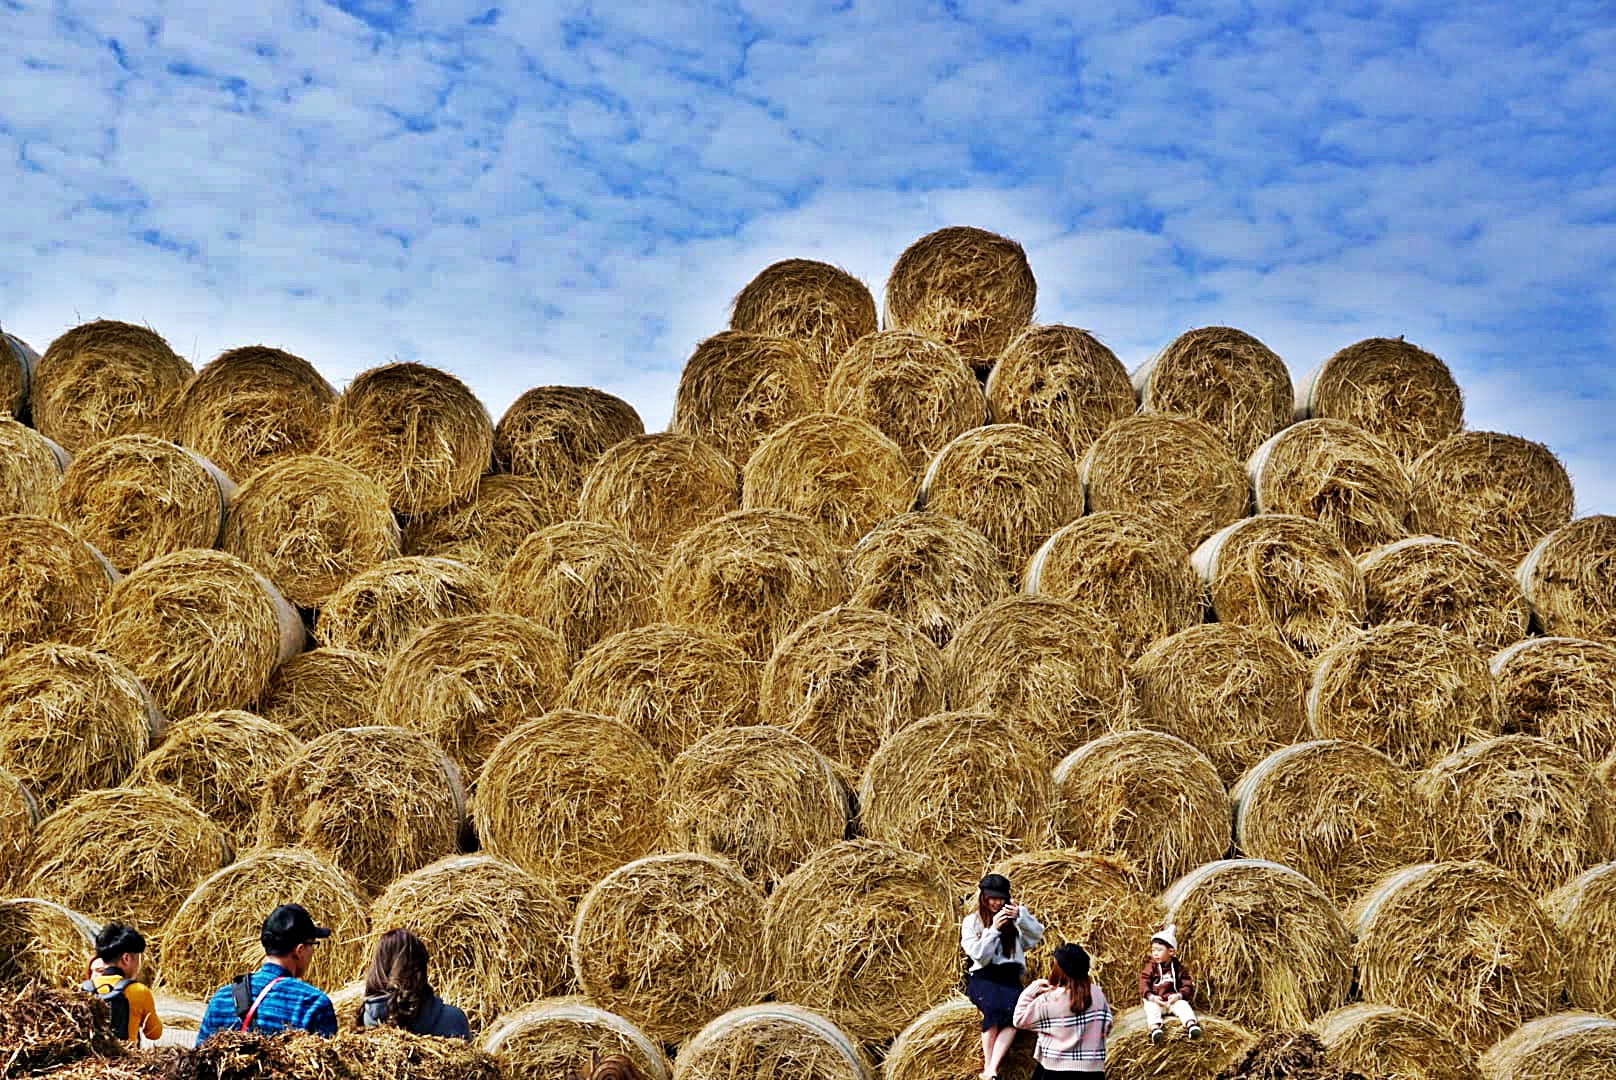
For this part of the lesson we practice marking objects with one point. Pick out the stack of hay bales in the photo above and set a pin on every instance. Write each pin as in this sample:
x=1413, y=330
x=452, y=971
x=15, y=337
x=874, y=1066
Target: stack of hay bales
x=1500, y=494
x=1391, y=388
x=1444, y=583
x=220, y=761
x=1338, y=475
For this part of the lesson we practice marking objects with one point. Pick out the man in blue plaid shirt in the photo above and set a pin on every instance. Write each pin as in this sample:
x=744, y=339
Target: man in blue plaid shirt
x=275, y=997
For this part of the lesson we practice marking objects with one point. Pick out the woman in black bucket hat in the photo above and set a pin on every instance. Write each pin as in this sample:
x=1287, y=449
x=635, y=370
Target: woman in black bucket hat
x=996, y=936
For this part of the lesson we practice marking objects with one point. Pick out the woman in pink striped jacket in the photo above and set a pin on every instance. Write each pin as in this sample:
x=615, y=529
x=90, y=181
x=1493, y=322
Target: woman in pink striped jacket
x=1071, y=1016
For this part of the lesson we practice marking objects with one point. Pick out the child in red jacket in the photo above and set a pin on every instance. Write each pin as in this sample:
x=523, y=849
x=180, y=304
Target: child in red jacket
x=1166, y=986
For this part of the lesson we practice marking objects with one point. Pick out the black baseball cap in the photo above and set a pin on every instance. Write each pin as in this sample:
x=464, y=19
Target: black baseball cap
x=995, y=885
x=287, y=927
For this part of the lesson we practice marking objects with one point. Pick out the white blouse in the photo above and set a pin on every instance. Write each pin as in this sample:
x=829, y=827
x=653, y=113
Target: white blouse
x=982, y=944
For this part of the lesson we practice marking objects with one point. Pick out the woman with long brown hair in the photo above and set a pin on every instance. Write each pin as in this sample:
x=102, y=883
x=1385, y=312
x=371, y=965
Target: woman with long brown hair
x=397, y=991
x=1071, y=1016
x=996, y=936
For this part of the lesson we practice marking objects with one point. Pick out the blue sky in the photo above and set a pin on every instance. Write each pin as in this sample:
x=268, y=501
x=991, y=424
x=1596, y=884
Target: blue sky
x=564, y=193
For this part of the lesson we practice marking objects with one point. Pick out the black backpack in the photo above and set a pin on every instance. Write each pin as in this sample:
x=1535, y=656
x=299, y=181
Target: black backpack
x=117, y=1003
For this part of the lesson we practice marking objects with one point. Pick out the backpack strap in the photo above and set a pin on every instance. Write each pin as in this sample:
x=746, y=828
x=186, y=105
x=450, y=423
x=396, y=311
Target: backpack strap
x=252, y=1010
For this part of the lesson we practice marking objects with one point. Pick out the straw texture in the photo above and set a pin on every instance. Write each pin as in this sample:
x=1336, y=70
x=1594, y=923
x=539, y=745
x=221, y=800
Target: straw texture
x=1584, y=911
x=1339, y=475
x=761, y=1041
x=322, y=690
x=1223, y=376
x=556, y=1037
x=1150, y=798
x=823, y=307
x=101, y=379
x=486, y=530
x=840, y=473
x=737, y=387
x=555, y=434
x=1391, y=388
x=1500, y=494
x=1568, y=582
x=1565, y=1044
x=929, y=570
x=655, y=488
x=968, y=287
x=52, y=583
x=583, y=580
x=1175, y=471
x=917, y=391
x=1397, y=1043
x=1563, y=689
x=219, y=761
x=251, y=407
x=945, y=1042
x=1062, y=381
x=30, y=468
x=1445, y=583
x=380, y=609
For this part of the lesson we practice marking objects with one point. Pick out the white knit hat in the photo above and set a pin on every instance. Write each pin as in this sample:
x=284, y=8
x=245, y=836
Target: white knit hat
x=1168, y=937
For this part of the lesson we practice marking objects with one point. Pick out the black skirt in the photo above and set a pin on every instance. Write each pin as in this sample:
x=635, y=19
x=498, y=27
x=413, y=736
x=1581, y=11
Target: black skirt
x=994, y=990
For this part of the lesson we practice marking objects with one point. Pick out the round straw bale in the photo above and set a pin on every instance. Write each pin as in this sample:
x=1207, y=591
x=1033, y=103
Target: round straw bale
x=761, y=797
x=918, y=391
x=19, y=815
x=821, y=306
x=1131, y=1055
x=322, y=690
x=1500, y=494
x=101, y=379
x=378, y=610
x=310, y=524
x=582, y=579
x=1151, y=798
x=16, y=373
x=486, y=531
x=1136, y=577
x=201, y=629
x=1094, y=900
x=136, y=497
x=219, y=761
x=496, y=935
x=1563, y=689
x=31, y=467
x=1566, y=1044
x=737, y=387
x=840, y=473
x=1062, y=381
x=966, y=286
x=568, y=797
x=556, y=1037
x=150, y=849
x=760, y=1042
x=966, y=788
x=466, y=682
x=51, y=583
x=1336, y=811
x=648, y=942
x=1235, y=693
x=1411, y=691
x=864, y=933
x=669, y=684
x=1009, y=482
x=930, y=570
x=1444, y=583
x=1285, y=574
x=416, y=431
x=251, y=407
x=1379, y=1040
x=1463, y=944
x=849, y=678
x=1393, y=389
x=71, y=720
x=1266, y=944
x=1568, y=578
x=1052, y=665
x=755, y=575
x=1223, y=376
x=555, y=434
x=1584, y=910
x=1338, y=475
x=945, y=1043
x=655, y=488
x=377, y=801
x=214, y=936
x=1175, y=471
x=43, y=942
x=1533, y=807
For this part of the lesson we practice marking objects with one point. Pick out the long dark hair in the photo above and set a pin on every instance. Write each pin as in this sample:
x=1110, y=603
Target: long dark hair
x=1069, y=967
x=1007, y=932
x=398, y=972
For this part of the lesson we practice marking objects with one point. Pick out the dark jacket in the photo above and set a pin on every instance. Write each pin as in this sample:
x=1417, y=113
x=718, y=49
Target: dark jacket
x=1165, y=979
x=437, y=1018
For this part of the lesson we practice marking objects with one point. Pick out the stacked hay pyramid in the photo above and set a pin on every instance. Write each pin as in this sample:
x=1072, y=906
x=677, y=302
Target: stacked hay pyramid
x=690, y=745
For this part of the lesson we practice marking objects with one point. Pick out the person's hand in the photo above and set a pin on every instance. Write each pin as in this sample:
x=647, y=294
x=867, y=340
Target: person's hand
x=1001, y=917
x=1040, y=986
x=1158, y=999
x=1174, y=999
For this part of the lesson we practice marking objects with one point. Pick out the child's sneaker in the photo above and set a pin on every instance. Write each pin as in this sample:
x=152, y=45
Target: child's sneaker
x=1195, y=1032
x=1157, y=1035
